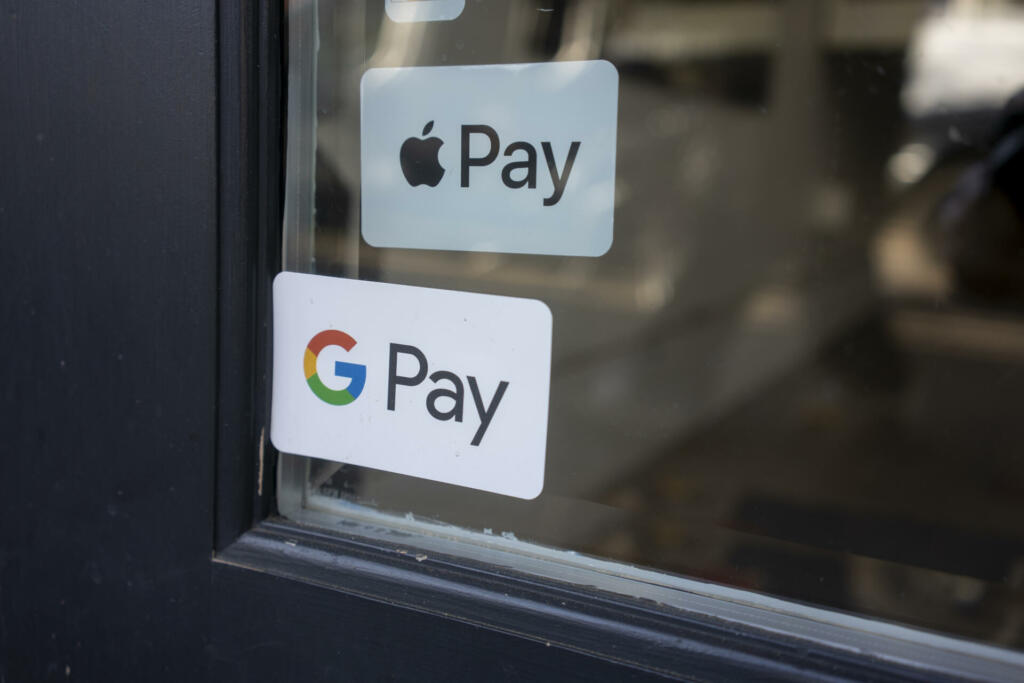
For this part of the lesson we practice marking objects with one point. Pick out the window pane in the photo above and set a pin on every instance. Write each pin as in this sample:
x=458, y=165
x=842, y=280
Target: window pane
x=800, y=367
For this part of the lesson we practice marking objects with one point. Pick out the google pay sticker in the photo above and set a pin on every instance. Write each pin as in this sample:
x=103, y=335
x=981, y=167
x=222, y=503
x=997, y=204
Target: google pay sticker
x=442, y=385
x=515, y=158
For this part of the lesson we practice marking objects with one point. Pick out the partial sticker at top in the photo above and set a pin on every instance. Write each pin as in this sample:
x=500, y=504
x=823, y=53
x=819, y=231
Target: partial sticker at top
x=515, y=158
x=403, y=11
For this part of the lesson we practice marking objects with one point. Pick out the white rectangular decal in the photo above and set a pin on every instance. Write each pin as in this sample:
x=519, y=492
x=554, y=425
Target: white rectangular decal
x=404, y=11
x=515, y=158
x=443, y=385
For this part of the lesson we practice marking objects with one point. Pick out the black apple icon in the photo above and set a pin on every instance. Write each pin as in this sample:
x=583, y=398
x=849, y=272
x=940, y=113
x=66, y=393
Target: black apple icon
x=419, y=159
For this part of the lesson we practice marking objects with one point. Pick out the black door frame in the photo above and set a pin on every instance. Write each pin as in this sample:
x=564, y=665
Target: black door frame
x=139, y=540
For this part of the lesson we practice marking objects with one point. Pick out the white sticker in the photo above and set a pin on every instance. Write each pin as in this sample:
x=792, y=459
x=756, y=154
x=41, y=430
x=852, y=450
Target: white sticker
x=403, y=11
x=448, y=386
x=515, y=158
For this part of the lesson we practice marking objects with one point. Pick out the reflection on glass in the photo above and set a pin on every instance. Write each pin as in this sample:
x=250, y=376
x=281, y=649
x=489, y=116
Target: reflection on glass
x=800, y=367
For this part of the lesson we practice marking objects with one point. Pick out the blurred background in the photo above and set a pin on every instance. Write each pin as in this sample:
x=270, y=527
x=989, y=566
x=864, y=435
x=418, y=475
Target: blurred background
x=798, y=370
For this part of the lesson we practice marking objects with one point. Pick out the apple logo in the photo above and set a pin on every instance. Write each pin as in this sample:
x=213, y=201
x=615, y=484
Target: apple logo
x=419, y=159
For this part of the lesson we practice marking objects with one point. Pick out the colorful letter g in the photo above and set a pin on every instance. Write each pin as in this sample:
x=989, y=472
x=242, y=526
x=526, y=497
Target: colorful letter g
x=356, y=373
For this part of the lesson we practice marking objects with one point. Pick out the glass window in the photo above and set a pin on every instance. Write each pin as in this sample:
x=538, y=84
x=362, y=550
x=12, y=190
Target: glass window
x=799, y=369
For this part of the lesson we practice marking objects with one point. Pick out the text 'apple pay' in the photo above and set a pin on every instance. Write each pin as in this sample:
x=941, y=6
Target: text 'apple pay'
x=513, y=158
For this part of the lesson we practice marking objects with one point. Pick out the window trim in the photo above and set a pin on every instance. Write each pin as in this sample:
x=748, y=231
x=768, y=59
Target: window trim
x=702, y=637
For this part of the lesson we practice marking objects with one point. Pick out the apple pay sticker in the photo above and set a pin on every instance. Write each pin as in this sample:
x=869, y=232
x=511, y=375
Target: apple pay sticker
x=442, y=385
x=514, y=158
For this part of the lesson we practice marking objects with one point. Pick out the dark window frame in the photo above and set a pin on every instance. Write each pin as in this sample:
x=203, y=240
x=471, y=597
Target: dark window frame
x=254, y=547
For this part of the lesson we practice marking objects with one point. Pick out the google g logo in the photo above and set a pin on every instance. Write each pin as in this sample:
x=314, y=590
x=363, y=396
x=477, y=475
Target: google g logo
x=352, y=371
